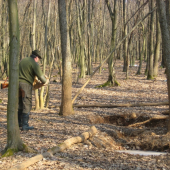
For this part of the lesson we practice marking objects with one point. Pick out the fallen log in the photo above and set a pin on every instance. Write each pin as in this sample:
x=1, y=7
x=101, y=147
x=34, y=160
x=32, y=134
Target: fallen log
x=123, y=105
x=153, y=118
x=117, y=105
x=61, y=147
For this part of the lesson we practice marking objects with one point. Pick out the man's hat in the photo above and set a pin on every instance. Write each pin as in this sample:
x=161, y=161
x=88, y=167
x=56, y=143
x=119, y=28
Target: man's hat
x=37, y=53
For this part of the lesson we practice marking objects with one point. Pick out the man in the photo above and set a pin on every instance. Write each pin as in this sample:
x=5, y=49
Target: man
x=28, y=69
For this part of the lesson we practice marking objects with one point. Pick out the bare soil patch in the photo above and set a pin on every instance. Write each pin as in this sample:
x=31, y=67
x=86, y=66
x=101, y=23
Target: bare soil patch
x=112, y=124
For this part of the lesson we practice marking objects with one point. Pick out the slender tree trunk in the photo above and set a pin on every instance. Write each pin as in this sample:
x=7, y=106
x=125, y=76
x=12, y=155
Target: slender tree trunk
x=103, y=35
x=147, y=51
x=47, y=21
x=34, y=24
x=125, y=44
x=34, y=47
x=141, y=55
x=151, y=49
x=113, y=15
x=157, y=47
x=66, y=103
x=89, y=67
x=81, y=34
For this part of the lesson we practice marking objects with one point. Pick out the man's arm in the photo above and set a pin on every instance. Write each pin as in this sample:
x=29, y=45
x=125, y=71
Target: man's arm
x=42, y=79
x=39, y=74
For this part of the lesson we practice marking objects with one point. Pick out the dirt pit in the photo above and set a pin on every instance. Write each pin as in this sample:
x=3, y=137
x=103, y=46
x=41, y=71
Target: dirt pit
x=132, y=133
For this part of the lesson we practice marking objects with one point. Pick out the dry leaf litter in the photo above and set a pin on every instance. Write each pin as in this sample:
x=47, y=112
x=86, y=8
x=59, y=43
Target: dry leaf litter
x=99, y=152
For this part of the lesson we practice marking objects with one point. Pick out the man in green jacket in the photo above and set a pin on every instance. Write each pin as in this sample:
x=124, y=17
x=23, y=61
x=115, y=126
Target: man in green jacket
x=28, y=69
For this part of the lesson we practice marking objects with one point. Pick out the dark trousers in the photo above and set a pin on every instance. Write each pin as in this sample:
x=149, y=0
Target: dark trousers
x=25, y=97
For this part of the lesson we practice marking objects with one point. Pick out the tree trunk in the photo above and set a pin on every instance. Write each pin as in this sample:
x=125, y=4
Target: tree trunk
x=81, y=34
x=14, y=142
x=34, y=47
x=125, y=45
x=166, y=43
x=113, y=15
x=141, y=55
x=66, y=103
x=157, y=47
x=151, y=49
x=103, y=35
x=47, y=20
x=89, y=67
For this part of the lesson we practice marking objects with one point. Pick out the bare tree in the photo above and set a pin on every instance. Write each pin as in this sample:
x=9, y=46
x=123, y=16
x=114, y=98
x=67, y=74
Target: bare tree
x=157, y=46
x=66, y=103
x=14, y=142
x=47, y=22
x=151, y=43
x=113, y=16
x=165, y=41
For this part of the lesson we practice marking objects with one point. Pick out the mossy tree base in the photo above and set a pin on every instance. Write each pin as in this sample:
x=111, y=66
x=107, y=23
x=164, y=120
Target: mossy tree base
x=109, y=83
x=138, y=72
x=149, y=77
x=10, y=151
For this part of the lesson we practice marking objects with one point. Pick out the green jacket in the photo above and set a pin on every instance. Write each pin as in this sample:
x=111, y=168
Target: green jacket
x=28, y=69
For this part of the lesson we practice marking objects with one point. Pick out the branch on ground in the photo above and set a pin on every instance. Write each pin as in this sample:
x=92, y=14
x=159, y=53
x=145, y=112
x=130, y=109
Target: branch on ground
x=153, y=118
x=117, y=105
x=61, y=147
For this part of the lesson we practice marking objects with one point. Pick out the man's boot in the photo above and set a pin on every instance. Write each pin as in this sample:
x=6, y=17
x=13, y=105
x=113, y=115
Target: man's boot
x=20, y=117
x=25, y=119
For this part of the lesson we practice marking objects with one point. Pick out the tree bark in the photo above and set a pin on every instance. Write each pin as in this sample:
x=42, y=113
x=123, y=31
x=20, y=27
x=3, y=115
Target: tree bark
x=151, y=49
x=47, y=21
x=125, y=44
x=113, y=16
x=81, y=34
x=14, y=141
x=157, y=46
x=141, y=54
x=66, y=103
x=89, y=67
x=166, y=43
x=34, y=48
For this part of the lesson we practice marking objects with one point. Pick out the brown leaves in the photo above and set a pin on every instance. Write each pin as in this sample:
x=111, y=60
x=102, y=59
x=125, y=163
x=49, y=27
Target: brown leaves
x=97, y=153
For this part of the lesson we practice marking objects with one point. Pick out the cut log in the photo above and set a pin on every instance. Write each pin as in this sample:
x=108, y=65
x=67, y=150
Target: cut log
x=61, y=147
x=153, y=118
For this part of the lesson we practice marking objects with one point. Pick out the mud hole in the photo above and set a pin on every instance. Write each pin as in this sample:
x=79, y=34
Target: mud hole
x=151, y=136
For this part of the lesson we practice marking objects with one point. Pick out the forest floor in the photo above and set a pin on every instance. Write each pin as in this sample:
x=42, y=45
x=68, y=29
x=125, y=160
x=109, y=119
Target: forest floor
x=114, y=133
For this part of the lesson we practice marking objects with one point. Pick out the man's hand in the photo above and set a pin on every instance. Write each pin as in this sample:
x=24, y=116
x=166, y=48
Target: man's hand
x=46, y=82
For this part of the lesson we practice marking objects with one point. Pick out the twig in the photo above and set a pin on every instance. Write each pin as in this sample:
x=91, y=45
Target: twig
x=153, y=118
